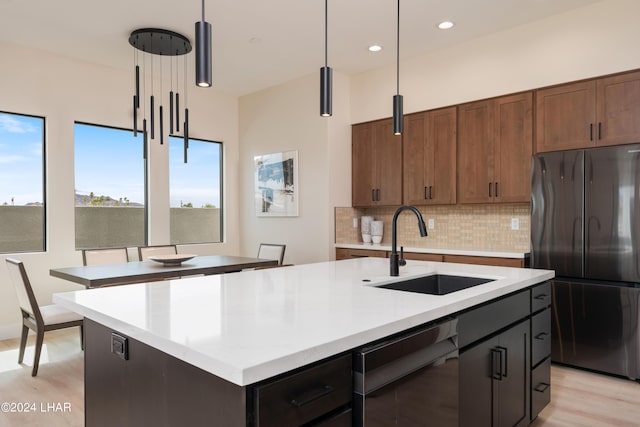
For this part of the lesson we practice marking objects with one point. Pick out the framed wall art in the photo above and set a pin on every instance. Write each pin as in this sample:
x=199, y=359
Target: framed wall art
x=276, y=184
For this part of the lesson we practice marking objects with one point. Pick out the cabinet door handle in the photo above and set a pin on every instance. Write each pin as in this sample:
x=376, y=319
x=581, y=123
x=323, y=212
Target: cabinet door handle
x=496, y=364
x=541, y=296
x=590, y=131
x=541, y=336
x=311, y=396
x=599, y=130
x=373, y=195
x=425, y=192
x=503, y=361
x=431, y=192
x=377, y=194
x=542, y=387
x=490, y=189
x=496, y=189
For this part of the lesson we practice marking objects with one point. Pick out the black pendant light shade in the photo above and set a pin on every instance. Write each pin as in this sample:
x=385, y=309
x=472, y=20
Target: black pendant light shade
x=326, y=74
x=325, y=91
x=397, y=98
x=203, y=52
x=398, y=127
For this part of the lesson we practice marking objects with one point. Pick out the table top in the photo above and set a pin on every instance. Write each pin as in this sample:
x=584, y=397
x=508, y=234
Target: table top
x=93, y=276
x=249, y=326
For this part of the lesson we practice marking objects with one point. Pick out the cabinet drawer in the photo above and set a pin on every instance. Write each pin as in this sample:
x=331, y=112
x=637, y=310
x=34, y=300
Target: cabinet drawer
x=540, y=387
x=540, y=336
x=304, y=396
x=540, y=297
x=483, y=321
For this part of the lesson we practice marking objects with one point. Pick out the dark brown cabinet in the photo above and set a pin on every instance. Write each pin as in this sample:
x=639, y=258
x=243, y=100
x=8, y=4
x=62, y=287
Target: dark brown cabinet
x=494, y=380
x=495, y=139
x=589, y=113
x=346, y=253
x=429, y=157
x=504, y=359
x=376, y=165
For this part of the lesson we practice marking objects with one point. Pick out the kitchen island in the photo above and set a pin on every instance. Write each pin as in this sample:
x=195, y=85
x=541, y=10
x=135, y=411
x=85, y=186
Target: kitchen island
x=231, y=332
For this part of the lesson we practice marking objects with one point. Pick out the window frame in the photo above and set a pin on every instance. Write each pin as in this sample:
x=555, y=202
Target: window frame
x=145, y=172
x=43, y=160
x=221, y=180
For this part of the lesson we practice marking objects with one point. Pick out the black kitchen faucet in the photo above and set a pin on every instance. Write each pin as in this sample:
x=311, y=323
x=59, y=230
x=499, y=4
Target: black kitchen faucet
x=394, y=258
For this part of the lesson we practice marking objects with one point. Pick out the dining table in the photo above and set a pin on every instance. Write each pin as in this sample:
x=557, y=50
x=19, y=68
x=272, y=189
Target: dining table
x=94, y=276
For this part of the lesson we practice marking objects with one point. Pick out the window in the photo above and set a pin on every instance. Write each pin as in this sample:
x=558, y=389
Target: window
x=109, y=187
x=22, y=196
x=195, y=191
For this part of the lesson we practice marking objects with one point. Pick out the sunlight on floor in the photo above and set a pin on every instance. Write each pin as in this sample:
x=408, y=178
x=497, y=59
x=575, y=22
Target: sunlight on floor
x=9, y=358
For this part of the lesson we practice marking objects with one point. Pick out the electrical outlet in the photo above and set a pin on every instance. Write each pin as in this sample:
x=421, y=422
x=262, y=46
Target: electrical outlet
x=515, y=223
x=355, y=222
x=431, y=223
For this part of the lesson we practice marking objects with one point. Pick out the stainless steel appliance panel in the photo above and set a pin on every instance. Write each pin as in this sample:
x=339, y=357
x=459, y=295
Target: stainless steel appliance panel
x=410, y=381
x=612, y=213
x=557, y=204
x=596, y=326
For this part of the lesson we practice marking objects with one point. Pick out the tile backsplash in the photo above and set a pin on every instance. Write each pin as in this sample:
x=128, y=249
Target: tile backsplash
x=468, y=227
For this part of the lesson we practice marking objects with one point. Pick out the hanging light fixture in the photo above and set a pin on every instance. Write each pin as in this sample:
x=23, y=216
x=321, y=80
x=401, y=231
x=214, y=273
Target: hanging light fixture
x=203, y=52
x=157, y=43
x=325, y=74
x=397, y=98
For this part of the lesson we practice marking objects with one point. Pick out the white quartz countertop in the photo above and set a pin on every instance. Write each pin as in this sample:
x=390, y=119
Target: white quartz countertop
x=465, y=252
x=249, y=326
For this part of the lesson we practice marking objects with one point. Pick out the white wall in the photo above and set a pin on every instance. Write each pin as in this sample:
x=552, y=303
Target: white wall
x=283, y=118
x=64, y=91
x=595, y=40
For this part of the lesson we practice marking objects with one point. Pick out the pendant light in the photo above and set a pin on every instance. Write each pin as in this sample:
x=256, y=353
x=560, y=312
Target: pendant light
x=397, y=98
x=325, y=75
x=203, y=52
x=156, y=45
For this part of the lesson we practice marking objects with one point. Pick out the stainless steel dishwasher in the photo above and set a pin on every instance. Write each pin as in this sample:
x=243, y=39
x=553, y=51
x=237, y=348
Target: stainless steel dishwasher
x=409, y=380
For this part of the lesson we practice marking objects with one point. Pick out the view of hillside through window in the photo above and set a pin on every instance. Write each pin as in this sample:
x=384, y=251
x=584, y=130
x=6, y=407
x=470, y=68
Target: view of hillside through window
x=110, y=189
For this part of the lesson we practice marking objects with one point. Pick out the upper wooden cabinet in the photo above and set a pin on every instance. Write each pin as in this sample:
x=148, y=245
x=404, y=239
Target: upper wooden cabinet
x=494, y=150
x=596, y=112
x=429, y=157
x=376, y=165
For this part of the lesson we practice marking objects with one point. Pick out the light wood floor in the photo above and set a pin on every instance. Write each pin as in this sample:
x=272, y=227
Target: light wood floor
x=578, y=398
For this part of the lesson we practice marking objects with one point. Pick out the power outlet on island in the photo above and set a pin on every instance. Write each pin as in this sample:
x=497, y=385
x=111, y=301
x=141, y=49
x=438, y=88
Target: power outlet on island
x=515, y=223
x=431, y=223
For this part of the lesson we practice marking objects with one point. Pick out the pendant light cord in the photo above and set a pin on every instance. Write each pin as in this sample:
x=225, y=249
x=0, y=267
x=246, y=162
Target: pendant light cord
x=203, y=10
x=398, y=52
x=326, y=38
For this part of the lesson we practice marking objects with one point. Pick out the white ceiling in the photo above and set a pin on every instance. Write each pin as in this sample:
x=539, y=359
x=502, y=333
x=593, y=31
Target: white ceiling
x=261, y=43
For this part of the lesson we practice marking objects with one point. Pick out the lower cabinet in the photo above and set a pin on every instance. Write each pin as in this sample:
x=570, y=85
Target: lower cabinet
x=345, y=253
x=494, y=380
x=505, y=365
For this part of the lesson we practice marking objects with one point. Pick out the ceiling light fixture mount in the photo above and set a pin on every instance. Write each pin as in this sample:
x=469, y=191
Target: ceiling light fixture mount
x=397, y=98
x=326, y=74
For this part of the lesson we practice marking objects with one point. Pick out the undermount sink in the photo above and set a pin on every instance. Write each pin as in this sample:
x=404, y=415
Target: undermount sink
x=437, y=284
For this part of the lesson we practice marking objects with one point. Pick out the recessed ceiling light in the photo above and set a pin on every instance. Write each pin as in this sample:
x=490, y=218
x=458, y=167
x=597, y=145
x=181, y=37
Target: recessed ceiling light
x=445, y=25
x=375, y=48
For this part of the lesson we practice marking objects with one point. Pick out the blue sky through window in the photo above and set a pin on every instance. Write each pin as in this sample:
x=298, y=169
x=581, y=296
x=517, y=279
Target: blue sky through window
x=108, y=162
x=21, y=163
x=198, y=181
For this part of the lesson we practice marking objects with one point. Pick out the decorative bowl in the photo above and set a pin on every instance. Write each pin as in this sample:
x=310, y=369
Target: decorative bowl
x=171, y=260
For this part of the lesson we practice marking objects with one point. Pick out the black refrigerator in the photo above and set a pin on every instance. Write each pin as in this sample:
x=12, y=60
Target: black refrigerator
x=585, y=225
